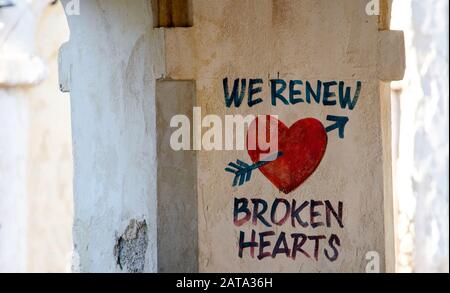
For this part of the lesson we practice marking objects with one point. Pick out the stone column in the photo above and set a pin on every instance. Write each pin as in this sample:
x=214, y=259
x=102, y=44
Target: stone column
x=110, y=66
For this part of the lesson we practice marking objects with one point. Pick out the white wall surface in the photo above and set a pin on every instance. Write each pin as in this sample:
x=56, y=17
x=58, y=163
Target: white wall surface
x=13, y=162
x=422, y=173
x=111, y=63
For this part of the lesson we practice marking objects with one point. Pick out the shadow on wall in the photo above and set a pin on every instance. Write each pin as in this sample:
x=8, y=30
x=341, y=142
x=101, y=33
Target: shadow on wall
x=177, y=199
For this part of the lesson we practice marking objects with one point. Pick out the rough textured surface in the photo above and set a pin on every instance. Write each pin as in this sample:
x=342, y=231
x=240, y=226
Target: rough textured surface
x=131, y=247
x=113, y=69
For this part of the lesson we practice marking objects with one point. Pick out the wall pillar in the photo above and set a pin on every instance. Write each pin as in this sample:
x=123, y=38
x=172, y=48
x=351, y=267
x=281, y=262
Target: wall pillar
x=110, y=66
x=121, y=154
x=276, y=42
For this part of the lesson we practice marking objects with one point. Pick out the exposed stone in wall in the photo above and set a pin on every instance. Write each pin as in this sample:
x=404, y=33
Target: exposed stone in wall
x=131, y=246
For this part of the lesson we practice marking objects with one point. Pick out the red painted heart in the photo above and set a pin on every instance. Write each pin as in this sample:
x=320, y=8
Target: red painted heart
x=302, y=146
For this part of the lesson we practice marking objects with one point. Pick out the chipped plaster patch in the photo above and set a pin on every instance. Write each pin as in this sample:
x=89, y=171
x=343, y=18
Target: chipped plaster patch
x=131, y=246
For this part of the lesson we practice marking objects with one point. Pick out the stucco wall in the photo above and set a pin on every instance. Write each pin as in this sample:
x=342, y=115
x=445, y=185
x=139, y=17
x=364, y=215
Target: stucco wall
x=111, y=72
x=307, y=40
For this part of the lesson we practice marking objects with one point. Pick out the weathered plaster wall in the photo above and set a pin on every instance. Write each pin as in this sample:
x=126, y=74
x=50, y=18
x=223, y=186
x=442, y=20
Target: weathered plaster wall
x=111, y=73
x=306, y=40
x=110, y=65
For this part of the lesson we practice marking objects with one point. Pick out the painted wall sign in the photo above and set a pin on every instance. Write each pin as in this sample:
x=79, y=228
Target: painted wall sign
x=301, y=148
